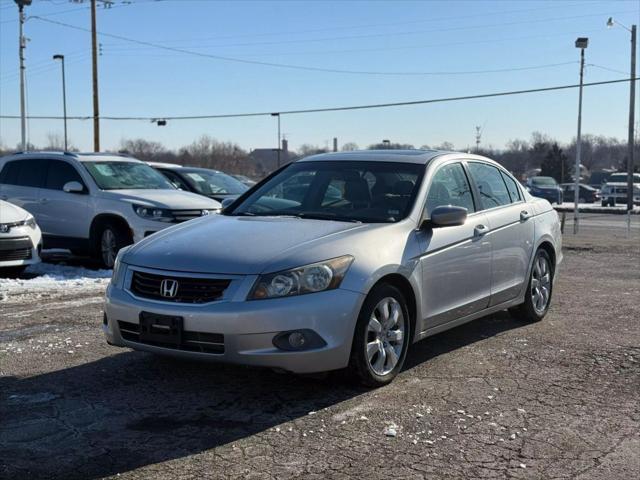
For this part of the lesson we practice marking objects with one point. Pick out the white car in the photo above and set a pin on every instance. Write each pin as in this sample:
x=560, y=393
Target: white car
x=20, y=239
x=95, y=203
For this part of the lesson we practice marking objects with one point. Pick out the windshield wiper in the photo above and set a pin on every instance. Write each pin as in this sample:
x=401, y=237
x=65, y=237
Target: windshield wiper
x=325, y=216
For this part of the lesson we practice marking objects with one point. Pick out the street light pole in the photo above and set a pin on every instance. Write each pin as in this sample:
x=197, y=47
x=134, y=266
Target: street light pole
x=94, y=62
x=64, y=99
x=22, y=43
x=632, y=106
x=581, y=43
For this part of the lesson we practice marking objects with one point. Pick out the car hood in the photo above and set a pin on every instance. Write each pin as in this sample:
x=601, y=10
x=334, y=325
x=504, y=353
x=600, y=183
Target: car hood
x=164, y=198
x=233, y=245
x=10, y=213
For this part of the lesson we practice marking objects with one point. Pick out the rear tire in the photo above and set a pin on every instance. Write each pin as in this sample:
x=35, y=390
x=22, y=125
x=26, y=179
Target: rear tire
x=381, y=338
x=110, y=238
x=539, y=289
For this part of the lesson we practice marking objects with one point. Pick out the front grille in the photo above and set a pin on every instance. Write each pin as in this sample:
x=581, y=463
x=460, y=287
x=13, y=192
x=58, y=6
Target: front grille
x=191, y=341
x=189, y=290
x=184, y=215
x=15, y=249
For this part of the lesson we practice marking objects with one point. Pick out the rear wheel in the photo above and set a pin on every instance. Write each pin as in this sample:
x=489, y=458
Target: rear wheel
x=109, y=240
x=381, y=338
x=538, y=296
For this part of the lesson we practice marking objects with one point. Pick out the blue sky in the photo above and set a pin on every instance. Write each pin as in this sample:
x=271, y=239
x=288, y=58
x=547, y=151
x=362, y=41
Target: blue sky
x=382, y=36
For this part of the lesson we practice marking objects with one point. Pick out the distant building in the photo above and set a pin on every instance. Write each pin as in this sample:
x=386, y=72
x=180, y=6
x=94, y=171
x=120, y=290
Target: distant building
x=266, y=159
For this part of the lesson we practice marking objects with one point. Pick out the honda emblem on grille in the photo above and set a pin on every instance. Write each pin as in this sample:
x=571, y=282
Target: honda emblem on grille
x=4, y=228
x=169, y=288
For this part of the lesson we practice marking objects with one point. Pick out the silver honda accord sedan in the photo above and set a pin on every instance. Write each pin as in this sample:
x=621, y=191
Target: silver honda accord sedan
x=340, y=261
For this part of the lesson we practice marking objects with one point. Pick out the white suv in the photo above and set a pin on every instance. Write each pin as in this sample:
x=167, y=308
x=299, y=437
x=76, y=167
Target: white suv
x=95, y=203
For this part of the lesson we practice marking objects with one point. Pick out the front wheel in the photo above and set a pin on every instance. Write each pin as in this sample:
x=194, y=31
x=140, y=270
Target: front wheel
x=538, y=296
x=111, y=238
x=381, y=337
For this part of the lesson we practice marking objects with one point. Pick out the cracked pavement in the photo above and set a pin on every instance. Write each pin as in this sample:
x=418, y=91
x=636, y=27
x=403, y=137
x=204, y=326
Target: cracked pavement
x=496, y=398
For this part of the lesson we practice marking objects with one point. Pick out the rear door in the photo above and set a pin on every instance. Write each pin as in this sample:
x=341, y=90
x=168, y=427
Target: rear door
x=20, y=183
x=456, y=263
x=63, y=214
x=511, y=229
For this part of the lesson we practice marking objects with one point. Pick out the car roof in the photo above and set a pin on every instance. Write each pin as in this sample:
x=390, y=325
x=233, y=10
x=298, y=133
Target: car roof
x=401, y=156
x=81, y=157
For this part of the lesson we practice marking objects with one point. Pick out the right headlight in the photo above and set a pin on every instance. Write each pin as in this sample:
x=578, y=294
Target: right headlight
x=315, y=277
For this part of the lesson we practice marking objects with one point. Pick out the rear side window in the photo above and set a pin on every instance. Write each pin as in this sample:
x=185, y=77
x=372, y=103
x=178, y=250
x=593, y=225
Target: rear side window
x=25, y=173
x=488, y=179
x=512, y=187
x=59, y=173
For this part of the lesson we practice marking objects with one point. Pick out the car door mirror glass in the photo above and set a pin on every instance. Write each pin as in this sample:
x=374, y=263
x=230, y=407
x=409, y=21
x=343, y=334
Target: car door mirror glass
x=447, y=216
x=226, y=202
x=73, y=187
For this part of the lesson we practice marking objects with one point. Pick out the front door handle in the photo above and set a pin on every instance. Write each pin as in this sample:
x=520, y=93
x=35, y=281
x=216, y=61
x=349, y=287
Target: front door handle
x=480, y=230
x=524, y=215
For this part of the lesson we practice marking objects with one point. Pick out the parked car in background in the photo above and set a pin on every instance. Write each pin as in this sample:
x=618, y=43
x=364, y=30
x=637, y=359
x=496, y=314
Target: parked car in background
x=204, y=181
x=95, y=203
x=545, y=187
x=586, y=193
x=614, y=191
x=244, y=179
x=599, y=178
x=20, y=240
x=417, y=242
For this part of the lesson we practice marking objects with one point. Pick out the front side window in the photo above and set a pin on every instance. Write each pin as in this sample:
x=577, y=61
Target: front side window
x=120, y=175
x=376, y=192
x=59, y=173
x=450, y=187
x=491, y=186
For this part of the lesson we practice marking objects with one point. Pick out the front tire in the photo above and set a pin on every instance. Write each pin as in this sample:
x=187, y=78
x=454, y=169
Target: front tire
x=381, y=338
x=110, y=239
x=538, y=296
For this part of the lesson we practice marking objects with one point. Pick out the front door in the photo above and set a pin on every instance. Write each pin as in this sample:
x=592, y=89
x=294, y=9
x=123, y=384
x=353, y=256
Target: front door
x=456, y=263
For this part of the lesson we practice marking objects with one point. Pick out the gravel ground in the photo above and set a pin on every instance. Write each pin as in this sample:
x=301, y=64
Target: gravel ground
x=496, y=398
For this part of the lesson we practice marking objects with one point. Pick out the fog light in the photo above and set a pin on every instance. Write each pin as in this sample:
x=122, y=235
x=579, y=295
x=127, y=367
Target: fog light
x=298, y=340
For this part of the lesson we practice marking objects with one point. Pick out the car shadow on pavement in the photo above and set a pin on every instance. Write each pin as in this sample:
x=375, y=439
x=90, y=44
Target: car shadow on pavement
x=133, y=409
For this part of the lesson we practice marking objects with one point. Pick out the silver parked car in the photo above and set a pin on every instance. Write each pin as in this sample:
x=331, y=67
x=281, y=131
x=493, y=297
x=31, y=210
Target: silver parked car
x=413, y=243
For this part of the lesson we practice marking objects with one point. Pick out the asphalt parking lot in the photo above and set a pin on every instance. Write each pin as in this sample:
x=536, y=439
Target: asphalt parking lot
x=496, y=398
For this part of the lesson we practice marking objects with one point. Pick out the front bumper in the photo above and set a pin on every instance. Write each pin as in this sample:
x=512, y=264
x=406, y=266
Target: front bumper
x=16, y=239
x=250, y=326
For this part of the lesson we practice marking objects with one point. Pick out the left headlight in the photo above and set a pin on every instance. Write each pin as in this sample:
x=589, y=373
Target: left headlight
x=30, y=222
x=119, y=268
x=153, y=213
x=315, y=277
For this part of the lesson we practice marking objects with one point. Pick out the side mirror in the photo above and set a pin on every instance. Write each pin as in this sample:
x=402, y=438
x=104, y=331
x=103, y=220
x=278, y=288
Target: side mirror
x=73, y=187
x=446, y=216
x=226, y=202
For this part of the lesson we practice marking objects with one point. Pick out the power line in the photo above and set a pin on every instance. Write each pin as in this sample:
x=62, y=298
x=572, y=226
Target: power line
x=296, y=67
x=331, y=109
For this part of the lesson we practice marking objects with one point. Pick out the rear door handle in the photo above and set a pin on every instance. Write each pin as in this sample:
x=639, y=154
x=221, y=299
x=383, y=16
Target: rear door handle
x=524, y=215
x=480, y=230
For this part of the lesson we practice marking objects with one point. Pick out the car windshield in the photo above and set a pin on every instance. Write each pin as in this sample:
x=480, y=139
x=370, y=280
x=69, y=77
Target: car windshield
x=546, y=181
x=360, y=191
x=121, y=175
x=209, y=182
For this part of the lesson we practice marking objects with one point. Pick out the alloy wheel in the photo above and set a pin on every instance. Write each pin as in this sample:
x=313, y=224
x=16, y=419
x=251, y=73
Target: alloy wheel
x=108, y=247
x=540, y=284
x=385, y=336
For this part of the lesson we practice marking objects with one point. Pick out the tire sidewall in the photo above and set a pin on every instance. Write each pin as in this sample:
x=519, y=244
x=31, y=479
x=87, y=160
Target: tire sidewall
x=359, y=362
x=120, y=239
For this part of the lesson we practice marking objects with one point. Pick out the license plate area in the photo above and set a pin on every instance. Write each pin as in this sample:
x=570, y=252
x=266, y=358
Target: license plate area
x=161, y=329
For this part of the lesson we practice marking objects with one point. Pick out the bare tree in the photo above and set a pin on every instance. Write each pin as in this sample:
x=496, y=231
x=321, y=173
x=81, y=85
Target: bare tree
x=55, y=142
x=349, y=147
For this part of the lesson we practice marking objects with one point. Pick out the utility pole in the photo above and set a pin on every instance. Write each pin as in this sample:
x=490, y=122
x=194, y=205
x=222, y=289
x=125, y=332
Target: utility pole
x=632, y=105
x=581, y=43
x=22, y=44
x=279, y=136
x=64, y=99
x=94, y=54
